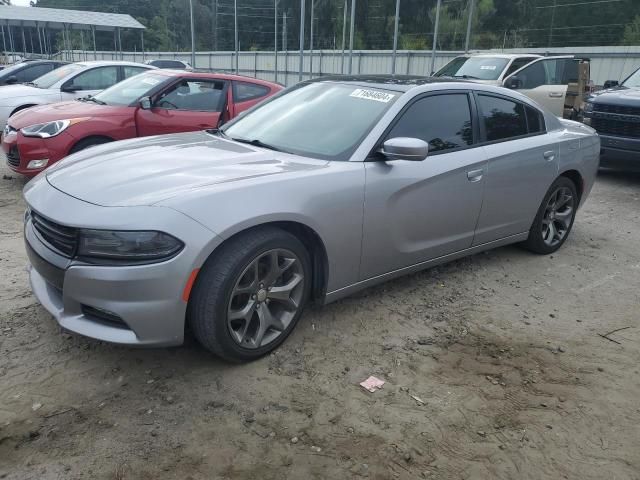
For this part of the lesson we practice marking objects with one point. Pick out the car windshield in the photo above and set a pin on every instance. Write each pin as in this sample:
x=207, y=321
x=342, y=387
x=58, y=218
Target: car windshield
x=56, y=75
x=131, y=89
x=478, y=68
x=320, y=120
x=633, y=80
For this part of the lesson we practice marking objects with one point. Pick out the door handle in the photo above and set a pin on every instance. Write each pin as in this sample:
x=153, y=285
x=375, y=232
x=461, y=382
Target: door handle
x=475, y=175
x=549, y=155
x=556, y=94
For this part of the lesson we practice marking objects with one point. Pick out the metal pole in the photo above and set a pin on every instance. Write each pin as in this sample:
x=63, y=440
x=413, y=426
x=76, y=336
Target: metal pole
x=469, y=20
x=142, y=43
x=395, y=38
x=31, y=41
x=301, y=61
x=24, y=42
x=351, y=32
x=311, y=42
x=193, y=36
x=120, y=45
x=84, y=52
x=284, y=34
x=115, y=45
x=344, y=34
x=235, y=30
x=39, y=38
x=10, y=41
x=93, y=35
x=4, y=41
x=215, y=25
x=275, y=40
x=435, y=37
x=553, y=18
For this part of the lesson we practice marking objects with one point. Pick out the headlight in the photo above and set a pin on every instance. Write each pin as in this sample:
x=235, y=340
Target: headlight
x=588, y=107
x=50, y=129
x=127, y=246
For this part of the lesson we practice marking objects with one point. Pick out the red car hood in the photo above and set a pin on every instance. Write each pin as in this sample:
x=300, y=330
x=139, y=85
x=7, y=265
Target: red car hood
x=62, y=111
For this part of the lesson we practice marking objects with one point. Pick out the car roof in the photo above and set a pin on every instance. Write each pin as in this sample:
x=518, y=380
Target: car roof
x=400, y=83
x=503, y=55
x=214, y=75
x=99, y=63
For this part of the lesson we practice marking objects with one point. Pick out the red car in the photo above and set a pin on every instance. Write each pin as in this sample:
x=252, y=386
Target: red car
x=151, y=103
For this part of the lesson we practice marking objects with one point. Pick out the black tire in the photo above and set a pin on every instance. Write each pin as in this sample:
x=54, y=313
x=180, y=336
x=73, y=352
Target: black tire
x=89, y=142
x=536, y=242
x=209, y=302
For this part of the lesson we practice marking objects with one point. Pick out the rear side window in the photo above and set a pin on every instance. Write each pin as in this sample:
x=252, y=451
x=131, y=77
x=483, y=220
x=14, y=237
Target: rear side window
x=502, y=118
x=244, y=91
x=168, y=64
x=129, y=71
x=443, y=121
x=535, y=121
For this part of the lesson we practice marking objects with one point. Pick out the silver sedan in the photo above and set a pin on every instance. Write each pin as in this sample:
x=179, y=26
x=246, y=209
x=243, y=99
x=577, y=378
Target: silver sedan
x=330, y=187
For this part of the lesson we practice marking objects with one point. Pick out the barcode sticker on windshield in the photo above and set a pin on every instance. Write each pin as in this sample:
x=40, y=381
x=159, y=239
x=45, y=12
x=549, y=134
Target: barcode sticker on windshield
x=372, y=95
x=488, y=67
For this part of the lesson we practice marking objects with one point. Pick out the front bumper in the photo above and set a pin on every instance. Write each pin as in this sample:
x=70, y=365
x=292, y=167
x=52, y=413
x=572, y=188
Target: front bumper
x=619, y=151
x=144, y=300
x=21, y=150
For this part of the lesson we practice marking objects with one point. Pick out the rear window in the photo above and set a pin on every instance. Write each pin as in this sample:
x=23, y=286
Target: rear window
x=244, y=91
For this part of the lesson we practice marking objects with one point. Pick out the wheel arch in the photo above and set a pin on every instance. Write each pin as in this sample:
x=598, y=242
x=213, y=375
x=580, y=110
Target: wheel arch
x=90, y=137
x=308, y=237
x=577, y=180
x=22, y=107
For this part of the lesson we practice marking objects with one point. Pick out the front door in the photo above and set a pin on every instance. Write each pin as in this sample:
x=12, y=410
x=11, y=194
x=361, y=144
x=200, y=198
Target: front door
x=545, y=81
x=185, y=106
x=420, y=210
x=91, y=82
x=523, y=162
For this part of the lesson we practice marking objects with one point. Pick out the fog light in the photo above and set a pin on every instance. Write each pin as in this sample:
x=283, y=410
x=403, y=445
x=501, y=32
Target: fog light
x=38, y=163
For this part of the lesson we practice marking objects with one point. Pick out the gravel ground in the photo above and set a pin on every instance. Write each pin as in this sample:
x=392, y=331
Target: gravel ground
x=494, y=364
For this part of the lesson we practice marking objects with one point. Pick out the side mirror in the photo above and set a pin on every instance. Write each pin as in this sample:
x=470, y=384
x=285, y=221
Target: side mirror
x=611, y=83
x=145, y=103
x=11, y=80
x=513, y=83
x=405, y=148
x=68, y=88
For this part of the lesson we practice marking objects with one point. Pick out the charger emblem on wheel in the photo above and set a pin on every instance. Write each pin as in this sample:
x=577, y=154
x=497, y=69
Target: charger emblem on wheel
x=261, y=296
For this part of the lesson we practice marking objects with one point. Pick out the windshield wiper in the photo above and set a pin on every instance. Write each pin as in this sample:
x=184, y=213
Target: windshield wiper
x=257, y=143
x=90, y=98
x=468, y=77
x=30, y=84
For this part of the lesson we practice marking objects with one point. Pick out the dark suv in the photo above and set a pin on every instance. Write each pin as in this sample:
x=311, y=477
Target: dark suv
x=615, y=114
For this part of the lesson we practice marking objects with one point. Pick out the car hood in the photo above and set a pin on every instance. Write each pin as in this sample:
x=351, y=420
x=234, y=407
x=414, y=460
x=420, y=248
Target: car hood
x=148, y=170
x=59, y=111
x=617, y=96
x=15, y=91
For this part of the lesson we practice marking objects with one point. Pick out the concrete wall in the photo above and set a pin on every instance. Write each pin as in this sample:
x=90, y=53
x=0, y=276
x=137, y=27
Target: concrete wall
x=607, y=63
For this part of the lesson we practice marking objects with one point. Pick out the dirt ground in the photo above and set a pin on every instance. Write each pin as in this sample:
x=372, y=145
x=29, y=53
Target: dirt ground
x=494, y=364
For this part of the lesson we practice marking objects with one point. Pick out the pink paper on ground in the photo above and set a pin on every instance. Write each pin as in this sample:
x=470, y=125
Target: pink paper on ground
x=372, y=384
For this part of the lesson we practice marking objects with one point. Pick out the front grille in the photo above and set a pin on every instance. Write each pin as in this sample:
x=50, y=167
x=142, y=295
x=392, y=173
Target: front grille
x=13, y=157
x=619, y=109
x=63, y=239
x=616, y=127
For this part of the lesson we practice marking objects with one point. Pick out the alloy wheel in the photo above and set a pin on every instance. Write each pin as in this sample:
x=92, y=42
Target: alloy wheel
x=266, y=298
x=558, y=216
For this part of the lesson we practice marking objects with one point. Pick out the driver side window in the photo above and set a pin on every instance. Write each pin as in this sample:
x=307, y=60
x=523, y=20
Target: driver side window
x=544, y=72
x=193, y=95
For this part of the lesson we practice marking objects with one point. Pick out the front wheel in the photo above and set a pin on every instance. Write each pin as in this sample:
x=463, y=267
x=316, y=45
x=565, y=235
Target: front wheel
x=554, y=219
x=250, y=294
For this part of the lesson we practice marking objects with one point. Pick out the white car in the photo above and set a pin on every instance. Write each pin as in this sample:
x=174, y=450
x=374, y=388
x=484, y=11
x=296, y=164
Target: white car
x=71, y=81
x=556, y=83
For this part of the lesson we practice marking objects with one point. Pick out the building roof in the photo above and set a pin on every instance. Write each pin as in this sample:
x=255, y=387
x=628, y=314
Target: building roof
x=57, y=17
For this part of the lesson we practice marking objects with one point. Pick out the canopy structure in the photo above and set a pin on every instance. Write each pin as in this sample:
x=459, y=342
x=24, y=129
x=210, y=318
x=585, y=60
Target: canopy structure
x=43, y=20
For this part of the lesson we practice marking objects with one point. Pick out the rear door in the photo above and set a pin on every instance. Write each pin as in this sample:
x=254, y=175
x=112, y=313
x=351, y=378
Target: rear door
x=184, y=106
x=544, y=80
x=417, y=211
x=523, y=162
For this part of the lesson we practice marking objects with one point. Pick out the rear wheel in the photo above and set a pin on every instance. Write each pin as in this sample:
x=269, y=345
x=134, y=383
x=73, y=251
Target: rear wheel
x=89, y=142
x=554, y=219
x=250, y=294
